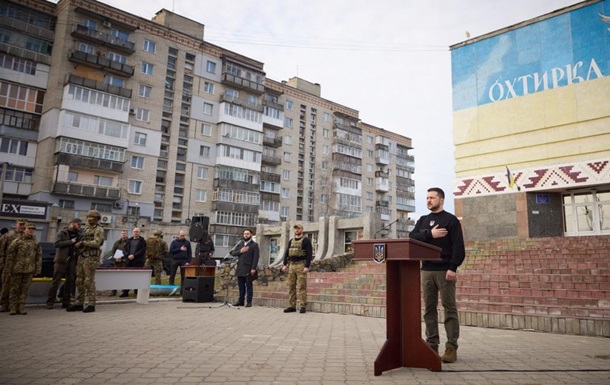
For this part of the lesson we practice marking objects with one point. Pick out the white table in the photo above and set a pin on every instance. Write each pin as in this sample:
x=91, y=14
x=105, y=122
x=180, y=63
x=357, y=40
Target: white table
x=125, y=279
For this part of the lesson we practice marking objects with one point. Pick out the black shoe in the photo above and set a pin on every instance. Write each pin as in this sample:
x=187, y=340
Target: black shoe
x=238, y=303
x=249, y=304
x=75, y=308
x=89, y=309
x=302, y=310
x=290, y=310
x=124, y=294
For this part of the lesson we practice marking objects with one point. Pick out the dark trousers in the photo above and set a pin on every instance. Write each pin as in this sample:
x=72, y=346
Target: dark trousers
x=172, y=272
x=245, y=289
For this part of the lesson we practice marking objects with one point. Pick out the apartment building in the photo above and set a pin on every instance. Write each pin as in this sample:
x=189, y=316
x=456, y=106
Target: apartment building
x=151, y=125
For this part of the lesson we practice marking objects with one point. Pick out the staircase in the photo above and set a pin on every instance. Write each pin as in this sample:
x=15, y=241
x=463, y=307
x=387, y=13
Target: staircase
x=559, y=285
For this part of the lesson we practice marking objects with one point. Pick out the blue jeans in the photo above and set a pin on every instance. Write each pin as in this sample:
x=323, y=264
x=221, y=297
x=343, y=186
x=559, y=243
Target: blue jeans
x=244, y=284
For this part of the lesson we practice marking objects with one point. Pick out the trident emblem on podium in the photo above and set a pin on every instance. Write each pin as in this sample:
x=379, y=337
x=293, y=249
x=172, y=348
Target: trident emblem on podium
x=379, y=252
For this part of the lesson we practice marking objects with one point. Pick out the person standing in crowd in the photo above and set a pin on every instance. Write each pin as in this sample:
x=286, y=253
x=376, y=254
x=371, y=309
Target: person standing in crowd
x=297, y=260
x=204, y=252
x=88, y=246
x=135, y=254
x=441, y=229
x=156, y=248
x=24, y=260
x=119, y=244
x=5, y=241
x=64, y=263
x=247, y=253
x=181, y=252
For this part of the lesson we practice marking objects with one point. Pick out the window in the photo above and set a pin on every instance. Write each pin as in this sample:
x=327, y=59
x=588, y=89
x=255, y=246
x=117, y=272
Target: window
x=72, y=176
x=137, y=162
x=171, y=63
x=211, y=67
x=208, y=108
x=102, y=180
x=369, y=181
x=369, y=139
x=325, y=149
x=150, y=46
x=206, y=129
x=286, y=174
x=119, y=34
x=113, y=80
x=66, y=204
x=284, y=210
x=135, y=186
x=369, y=196
x=287, y=156
x=147, y=68
x=13, y=146
x=324, y=198
x=289, y=104
x=101, y=207
x=86, y=48
x=326, y=133
x=288, y=122
x=369, y=167
x=202, y=173
x=285, y=192
x=139, y=139
x=18, y=174
x=204, y=151
x=145, y=91
x=326, y=117
x=90, y=24
x=117, y=58
x=231, y=93
x=587, y=213
x=287, y=140
x=208, y=88
x=369, y=153
x=252, y=99
x=142, y=114
x=200, y=195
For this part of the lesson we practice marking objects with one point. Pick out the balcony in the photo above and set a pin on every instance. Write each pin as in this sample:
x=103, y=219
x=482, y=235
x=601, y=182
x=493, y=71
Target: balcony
x=100, y=86
x=25, y=53
x=382, y=185
x=269, y=159
x=91, y=163
x=100, y=62
x=90, y=191
x=270, y=177
x=98, y=37
x=271, y=141
x=382, y=203
x=243, y=83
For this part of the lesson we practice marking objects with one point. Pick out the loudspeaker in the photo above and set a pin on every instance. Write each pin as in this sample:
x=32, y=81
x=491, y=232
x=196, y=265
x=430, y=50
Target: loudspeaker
x=199, y=229
x=198, y=289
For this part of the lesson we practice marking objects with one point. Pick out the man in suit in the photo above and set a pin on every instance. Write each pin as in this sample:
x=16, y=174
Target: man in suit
x=134, y=253
x=247, y=253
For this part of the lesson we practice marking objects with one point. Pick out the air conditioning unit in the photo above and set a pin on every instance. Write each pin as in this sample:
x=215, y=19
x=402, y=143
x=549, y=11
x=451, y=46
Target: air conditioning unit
x=132, y=111
x=107, y=24
x=118, y=205
x=106, y=219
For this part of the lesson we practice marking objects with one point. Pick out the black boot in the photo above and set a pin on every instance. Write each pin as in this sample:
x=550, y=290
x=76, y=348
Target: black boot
x=89, y=309
x=75, y=308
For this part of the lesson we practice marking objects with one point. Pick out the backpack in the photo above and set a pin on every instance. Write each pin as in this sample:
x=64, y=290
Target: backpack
x=153, y=248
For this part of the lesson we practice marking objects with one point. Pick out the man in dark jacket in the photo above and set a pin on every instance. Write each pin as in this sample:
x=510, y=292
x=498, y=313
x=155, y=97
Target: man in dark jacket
x=247, y=253
x=440, y=229
x=204, y=252
x=64, y=263
x=181, y=252
x=135, y=253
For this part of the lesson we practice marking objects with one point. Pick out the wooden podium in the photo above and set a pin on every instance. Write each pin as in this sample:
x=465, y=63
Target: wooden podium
x=404, y=346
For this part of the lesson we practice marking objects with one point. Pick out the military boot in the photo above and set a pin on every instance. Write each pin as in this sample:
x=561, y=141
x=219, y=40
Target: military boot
x=12, y=310
x=89, y=309
x=75, y=308
x=21, y=309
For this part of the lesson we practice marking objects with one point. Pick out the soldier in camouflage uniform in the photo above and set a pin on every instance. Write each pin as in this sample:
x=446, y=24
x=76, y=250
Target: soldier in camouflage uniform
x=297, y=260
x=5, y=241
x=24, y=260
x=156, y=248
x=89, y=259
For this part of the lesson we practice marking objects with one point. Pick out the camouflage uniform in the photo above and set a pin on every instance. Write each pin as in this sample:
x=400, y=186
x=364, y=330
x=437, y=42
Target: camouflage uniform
x=298, y=256
x=119, y=245
x=156, y=248
x=88, y=261
x=24, y=260
x=5, y=241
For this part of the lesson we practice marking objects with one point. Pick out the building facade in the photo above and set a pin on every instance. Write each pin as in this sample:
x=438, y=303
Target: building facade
x=532, y=127
x=151, y=125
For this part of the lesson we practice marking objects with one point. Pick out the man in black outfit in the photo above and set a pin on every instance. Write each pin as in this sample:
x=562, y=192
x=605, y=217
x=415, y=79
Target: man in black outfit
x=64, y=264
x=181, y=252
x=247, y=252
x=135, y=254
x=204, y=252
x=441, y=229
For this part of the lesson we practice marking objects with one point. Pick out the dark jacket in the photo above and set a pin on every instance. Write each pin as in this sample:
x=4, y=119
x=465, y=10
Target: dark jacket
x=137, y=247
x=452, y=245
x=246, y=261
x=178, y=254
x=64, y=247
x=205, y=247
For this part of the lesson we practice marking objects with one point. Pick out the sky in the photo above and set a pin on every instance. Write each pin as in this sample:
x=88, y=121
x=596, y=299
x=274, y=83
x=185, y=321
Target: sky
x=388, y=59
